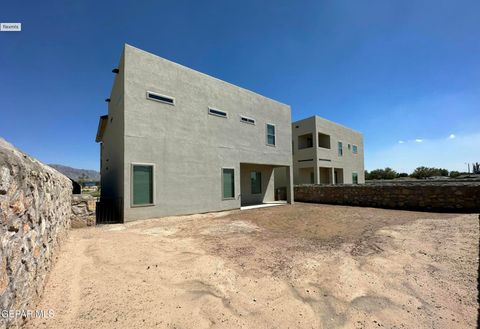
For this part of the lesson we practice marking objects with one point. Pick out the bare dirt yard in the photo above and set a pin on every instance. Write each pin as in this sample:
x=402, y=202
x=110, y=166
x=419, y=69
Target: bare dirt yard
x=292, y=266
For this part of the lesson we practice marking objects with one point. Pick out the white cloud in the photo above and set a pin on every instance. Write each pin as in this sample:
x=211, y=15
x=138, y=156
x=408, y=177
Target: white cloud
x=401, y=142
x=418, y=140
x=452, y=136
x=451, y=153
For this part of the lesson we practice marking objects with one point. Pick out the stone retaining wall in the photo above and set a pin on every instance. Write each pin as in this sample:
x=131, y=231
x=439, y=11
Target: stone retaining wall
x=424, y=196
x=35, y=211
x=83, y=210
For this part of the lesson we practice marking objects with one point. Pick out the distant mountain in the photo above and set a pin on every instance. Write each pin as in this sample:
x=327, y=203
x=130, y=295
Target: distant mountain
x=77, y=174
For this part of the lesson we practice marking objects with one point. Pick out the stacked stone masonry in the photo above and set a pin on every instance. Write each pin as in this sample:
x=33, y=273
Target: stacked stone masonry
x=423, y=196
x=35, y=213
x=83, y=210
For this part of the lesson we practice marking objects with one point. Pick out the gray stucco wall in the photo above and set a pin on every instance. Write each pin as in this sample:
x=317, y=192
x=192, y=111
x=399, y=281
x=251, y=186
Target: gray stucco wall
x=187, y=145
x=316, y=157
x=112, y=148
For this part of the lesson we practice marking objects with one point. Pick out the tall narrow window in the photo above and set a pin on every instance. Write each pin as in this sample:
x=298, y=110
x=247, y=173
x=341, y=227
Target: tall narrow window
x=340, y=149
x=228, y=183
x=142, y=185
x=256, y=182
x=354, y=178
x=354, y=149
x=270, y=134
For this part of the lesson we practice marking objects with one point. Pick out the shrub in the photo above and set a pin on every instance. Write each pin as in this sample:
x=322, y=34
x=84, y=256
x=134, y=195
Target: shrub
x=387, y=173
x=425, y=172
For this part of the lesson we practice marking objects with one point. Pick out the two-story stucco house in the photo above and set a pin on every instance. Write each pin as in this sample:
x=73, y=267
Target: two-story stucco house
x=325, y=152
x=177, y=141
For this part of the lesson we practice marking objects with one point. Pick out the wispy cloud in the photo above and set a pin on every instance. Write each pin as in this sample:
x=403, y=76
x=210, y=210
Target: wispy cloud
x=452, y=136
x=401, y=142
x=419, y=140
x=405, y=157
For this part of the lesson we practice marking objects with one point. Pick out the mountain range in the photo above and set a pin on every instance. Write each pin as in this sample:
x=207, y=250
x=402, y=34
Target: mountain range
x=77, y=174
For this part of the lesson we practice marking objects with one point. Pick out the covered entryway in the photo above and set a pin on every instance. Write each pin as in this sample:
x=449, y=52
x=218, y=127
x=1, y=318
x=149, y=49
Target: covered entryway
x=264, y=184
x=326, y=175
x=338, y=176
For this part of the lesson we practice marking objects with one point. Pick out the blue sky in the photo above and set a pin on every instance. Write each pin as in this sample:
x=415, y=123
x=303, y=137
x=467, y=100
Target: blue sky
x=405, y=73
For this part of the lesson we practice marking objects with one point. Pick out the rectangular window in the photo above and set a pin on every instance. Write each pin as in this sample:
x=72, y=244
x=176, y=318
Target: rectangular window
x=256, y=182
x=324, y=141
x=228, y=183
x=305, y=141
x=270, y=134
x=354, y=149
x=217, y=113
x=312, y=178
x=160, y=98
x=354, y=178
x=142, y=185
x=247, y=120
x=340, y=149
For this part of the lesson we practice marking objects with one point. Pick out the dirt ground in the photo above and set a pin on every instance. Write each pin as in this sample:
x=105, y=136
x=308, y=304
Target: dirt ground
x=292, y=266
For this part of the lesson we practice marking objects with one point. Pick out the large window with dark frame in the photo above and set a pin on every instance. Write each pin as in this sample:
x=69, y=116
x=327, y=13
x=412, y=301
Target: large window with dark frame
x=142, y=185
x=256, y=182
x=228, y=183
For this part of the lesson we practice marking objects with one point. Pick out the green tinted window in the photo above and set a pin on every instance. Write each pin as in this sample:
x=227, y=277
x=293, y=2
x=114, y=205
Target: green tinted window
x=270, y=134
x=340, y=149
x=142, y=184
x=354, y=178
x=256, y=182
x=228, y=183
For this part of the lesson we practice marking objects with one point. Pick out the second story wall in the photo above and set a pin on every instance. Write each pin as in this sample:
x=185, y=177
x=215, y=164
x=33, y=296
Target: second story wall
x=188, y=145
x=316, y=145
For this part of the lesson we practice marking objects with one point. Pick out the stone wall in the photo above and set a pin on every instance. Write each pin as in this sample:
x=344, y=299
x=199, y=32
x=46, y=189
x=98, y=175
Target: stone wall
x=83, y=210
x=35, y=211
x=424, y=196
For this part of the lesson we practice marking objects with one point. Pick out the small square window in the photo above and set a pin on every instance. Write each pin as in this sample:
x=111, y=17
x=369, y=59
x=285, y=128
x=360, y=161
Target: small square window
x=354, y=149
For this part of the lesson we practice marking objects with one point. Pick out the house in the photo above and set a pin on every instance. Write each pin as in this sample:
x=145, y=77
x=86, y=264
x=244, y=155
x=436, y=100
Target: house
x=177, y=141
x=325, y=152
